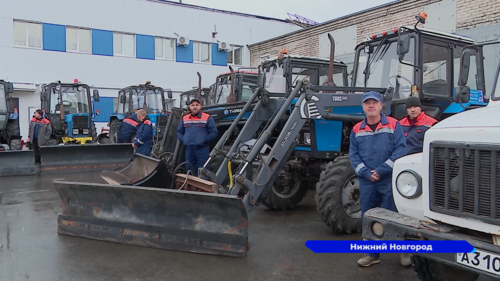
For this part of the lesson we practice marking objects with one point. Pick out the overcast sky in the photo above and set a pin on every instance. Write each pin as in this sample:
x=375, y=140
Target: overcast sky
x=316, y=10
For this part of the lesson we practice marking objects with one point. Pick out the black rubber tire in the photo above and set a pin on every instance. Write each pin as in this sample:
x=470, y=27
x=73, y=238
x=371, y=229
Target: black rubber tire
x=104, y=140
x=276, y=201
x=93, y=131
x=15, y=144
x=12, y=128
x=328, y=196
x=431, y=270
x=113, y=130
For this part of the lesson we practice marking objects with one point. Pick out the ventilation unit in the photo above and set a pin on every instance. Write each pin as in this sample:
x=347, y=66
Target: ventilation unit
x=181, y=40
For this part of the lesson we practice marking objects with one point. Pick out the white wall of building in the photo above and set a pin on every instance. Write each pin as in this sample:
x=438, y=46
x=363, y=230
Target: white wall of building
x=106, y=73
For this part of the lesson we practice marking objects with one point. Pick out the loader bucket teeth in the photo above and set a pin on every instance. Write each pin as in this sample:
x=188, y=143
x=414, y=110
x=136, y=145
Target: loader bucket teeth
x=140, y=171
x=17, y=163
x=84, y=158
x=169, y=219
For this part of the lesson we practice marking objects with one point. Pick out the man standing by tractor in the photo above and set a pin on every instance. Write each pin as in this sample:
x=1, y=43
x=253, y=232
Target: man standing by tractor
x=39, y=133
x=143, y=141
x=127, y=128
x=375, y=144
x=195, y=131
x=415, y=125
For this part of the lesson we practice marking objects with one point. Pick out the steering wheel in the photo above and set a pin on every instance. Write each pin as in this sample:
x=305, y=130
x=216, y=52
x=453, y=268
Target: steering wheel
x=402, y=88
x=66, y=103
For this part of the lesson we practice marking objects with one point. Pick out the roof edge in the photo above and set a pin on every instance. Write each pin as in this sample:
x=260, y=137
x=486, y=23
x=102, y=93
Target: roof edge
x=326, y=22
x=196, y=7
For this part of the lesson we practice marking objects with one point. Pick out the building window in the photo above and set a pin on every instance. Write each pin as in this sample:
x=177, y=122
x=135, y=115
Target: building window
x=201, y=52
x=234, y=55
x=78, y=39
x=27, y=34
x=164, y=48
x=123, y=44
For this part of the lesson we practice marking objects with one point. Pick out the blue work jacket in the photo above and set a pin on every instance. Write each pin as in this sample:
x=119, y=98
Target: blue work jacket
x=376, y=150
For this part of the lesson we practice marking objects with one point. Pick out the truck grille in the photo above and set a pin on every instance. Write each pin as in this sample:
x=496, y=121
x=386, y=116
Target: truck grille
x=80, y=122
x=465, y=180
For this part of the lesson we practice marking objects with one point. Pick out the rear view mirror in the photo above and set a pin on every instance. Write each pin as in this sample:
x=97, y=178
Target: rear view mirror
x=403, y=46
x=463, y=95
x=123, y=98
x=96, y=95
x=169, y=94
x=9, y=88
x=464, y=68
x=44, y=96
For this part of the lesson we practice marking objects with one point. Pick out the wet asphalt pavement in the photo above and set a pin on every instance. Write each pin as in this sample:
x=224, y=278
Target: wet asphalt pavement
x=31, y=249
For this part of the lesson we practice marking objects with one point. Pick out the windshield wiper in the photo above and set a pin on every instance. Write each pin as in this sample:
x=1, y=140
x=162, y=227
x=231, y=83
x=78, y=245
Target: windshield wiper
x=367, y=71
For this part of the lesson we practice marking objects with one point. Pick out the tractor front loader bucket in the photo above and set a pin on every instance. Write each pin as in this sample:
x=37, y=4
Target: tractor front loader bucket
x=84, y=158
x=140, y=171
x=169, y=219
x=17, y=163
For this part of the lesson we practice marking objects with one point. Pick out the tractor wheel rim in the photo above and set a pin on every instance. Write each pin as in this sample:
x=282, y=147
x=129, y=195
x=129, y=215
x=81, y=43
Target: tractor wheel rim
x=351, y=198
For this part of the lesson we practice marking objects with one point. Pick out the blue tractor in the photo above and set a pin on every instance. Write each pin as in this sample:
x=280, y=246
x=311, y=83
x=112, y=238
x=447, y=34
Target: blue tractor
x=9, y=120
x=69, y=107
x=132, y=98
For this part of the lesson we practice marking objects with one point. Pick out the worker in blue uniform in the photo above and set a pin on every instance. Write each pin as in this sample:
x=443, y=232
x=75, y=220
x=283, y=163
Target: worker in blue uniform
x=127, y=128
x=376, y=142
x=143, y=141
x=196, y=130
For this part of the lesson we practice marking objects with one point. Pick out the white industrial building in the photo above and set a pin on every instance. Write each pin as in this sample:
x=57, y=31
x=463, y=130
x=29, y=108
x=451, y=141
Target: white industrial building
x=111, y=44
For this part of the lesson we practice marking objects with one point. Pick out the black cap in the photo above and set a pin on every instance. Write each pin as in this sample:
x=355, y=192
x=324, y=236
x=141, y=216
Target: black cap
x=197, y=100
x=413, y=101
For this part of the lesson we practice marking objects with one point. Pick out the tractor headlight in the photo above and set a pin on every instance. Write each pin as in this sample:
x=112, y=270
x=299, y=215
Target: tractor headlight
x=75, y=131
x=409, y=184
x=307, y=138
x=85, y=131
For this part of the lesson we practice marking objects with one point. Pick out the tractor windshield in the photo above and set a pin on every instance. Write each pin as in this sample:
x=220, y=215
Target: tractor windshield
x=275, y=81
x=378, y=66
x=72, y=99
x=223, y=89
x=3, y=104
x=151, y=99
x=154, y=101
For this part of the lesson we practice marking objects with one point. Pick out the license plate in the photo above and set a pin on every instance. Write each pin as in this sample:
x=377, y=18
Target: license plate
x=481, y=260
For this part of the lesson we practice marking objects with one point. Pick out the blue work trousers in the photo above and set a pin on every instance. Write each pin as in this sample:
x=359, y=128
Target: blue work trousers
x=196, y=156
x=376, y=194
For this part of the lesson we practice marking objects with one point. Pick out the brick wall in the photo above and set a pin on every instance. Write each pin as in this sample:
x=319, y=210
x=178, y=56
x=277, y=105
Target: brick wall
x=470, y=13
x=475, y=13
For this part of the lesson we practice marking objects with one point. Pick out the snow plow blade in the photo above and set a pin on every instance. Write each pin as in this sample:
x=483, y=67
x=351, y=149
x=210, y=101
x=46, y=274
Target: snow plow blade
x=17, y=163
x=170, y=219
x=84, y=158
x=140, y=171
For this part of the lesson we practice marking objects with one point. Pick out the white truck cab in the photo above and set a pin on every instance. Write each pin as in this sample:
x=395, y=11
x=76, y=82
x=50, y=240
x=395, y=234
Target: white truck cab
x=450, y=191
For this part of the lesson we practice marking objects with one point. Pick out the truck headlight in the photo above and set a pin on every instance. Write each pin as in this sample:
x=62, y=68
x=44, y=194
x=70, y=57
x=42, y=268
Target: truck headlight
x=75, y=131
x=85, y=131
x=409, y=184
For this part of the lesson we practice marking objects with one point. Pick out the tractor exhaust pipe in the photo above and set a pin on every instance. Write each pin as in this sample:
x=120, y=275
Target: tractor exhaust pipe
x=231, y=98
x=199, y=87
x=332, y=60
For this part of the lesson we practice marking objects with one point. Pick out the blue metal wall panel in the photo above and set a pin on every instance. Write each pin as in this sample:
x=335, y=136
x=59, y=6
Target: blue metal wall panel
x=54, y=37
x=185, y=53
x=218, y=57
x=105, y=106
x=102, y=42
x=145, y=46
